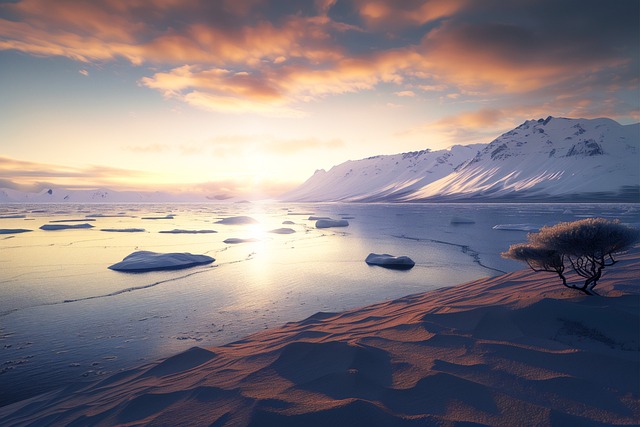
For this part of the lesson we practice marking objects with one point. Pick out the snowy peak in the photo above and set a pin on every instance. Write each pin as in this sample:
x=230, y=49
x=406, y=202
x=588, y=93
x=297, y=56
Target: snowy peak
x=381, y=177
x=560, y=137
x=542, y=160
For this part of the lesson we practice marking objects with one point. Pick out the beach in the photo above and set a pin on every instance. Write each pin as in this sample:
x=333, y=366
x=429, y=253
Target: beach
x=514, y=349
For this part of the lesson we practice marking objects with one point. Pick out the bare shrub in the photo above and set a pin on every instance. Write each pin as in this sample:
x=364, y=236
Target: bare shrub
x=587, y=245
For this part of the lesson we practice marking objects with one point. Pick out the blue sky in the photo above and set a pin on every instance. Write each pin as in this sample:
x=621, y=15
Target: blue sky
x=250, y=97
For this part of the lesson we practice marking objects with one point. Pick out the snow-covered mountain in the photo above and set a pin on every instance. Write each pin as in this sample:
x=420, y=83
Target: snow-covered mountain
x=548, y=159
x=381, y=178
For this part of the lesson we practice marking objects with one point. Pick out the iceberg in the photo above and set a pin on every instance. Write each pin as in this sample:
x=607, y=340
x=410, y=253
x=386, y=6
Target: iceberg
x=390, y=261
x=177, y=231
x=54, y=227
x=237, y=220
x=159, y=217
x=236, y=240
x=13, y=230
x=461, y=220
x=327, y=223
x=142, y=261
x=284, y=230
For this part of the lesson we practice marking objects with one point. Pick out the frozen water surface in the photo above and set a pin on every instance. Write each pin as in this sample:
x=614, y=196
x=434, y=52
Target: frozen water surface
x=65, y=316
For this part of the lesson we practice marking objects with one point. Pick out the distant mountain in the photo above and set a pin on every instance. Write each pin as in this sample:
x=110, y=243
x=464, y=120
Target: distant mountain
x=61, y=195
x=552, y=159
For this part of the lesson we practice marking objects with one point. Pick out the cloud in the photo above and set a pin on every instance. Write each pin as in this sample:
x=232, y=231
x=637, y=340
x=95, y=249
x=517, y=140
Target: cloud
x=394, y=14
x=34, y=176
x=84, y=72
x=29, y=174
x=272, y=58
x=405, y=93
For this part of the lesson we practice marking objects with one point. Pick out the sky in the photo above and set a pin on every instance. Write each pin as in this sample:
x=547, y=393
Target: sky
x=248, y=98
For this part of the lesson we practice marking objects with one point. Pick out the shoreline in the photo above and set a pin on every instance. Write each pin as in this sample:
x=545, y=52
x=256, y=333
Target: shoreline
x=499, y=350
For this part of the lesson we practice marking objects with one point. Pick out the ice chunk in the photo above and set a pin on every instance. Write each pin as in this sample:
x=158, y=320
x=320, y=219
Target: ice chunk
x=123, y=230
x=288, y=222
x=327, y=223
x=13, y=230
x=516, y=227
x=53, y=227
x=390, y=261
x=141, y=261
x=236, y=240
x=316, y=218
x=461, y=220
x=237, y=220
x=177, y=231
x=284, y=230
x=72, y=220
x=159, y=217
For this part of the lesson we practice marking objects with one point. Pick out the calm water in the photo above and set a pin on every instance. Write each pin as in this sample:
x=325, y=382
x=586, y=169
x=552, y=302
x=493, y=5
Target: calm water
x=64, y=316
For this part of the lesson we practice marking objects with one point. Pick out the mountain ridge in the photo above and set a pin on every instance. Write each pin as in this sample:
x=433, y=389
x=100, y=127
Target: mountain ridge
x=552, y=159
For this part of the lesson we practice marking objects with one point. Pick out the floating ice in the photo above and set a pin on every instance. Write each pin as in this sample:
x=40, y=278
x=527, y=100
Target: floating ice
x=390, y=261
x=288, y=222
x=54, y=227
x=72, y=220
x=159, y=217
x=177, y=231
x=516, y=227
x=13, y=230
x=141, y=261
x=123, y=230
x=461, y=220
x=327, y=223
x=18, y=216
x=317, y=218
x=236, y=240
x=284, y=230
x=237, y=220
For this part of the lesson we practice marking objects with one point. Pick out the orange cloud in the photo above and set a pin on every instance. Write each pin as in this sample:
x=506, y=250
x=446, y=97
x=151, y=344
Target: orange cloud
x=27, y=173
x=253, y=56
x=393, y=14
x=505, y=58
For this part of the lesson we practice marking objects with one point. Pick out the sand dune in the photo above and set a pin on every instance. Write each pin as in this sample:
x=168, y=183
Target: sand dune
x=517, y=349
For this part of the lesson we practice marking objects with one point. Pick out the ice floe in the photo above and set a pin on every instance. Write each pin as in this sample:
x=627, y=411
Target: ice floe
x=461, y=220
x=123, y=230
x=141, y=261
x=327, y=223
x=237, y=220
x=288, y=222
x=284, y=230
x=13, y=230
x=54, y=227
x=178, y=231
x=390, y=261
x=72, y=220
x=159, y=217
x=236, y=240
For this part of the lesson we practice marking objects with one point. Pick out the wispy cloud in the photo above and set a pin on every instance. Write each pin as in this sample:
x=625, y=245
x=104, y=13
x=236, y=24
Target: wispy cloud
x=29, y=174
